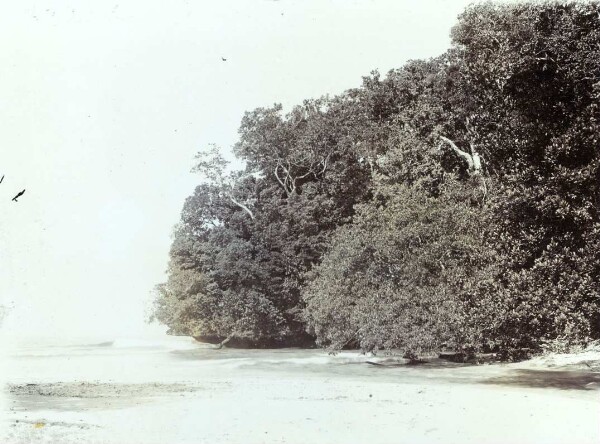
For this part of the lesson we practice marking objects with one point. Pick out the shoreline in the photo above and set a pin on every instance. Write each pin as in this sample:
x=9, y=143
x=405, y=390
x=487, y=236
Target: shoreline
x=303, y=396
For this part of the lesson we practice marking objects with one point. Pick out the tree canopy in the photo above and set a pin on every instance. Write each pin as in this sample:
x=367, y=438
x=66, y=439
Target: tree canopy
x=452, y=203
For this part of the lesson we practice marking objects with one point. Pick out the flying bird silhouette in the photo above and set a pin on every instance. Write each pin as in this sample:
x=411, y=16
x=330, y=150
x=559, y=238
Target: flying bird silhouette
x=18, y=195
x=2, y=178
x=224, y=59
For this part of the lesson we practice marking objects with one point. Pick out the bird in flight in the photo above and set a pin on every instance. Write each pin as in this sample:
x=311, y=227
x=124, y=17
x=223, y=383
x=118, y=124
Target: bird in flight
x=224, y=59
x=18, y=195
x=2, y=178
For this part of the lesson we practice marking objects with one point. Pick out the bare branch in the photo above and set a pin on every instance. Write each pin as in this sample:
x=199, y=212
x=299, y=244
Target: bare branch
x=242, y=206
x=468, y=157
x=324, y=162
x=302, y=177
x=290, y=185
x=278, y=178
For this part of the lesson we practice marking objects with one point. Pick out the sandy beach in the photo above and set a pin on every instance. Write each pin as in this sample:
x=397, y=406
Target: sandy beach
x=180, y=392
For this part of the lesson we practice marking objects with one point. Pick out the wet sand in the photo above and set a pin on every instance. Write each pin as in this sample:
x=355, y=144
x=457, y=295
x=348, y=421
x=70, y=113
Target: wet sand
x=194, y=395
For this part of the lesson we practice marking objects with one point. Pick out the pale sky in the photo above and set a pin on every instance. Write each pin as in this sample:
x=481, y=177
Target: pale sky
x=104, y=104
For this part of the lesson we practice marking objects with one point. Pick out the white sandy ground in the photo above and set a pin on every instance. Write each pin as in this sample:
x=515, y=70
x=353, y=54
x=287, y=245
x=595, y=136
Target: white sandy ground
x=586, y=359
x=149, y=395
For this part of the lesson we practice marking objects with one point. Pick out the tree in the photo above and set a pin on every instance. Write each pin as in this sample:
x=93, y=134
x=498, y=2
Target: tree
x=528, y=72
x=453, y=201
x=394, y=278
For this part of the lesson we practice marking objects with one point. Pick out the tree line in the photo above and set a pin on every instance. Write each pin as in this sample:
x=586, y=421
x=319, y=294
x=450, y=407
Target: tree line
x=453, y=203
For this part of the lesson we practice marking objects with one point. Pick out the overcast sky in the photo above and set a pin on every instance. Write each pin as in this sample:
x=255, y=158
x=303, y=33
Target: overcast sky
x=104, y=104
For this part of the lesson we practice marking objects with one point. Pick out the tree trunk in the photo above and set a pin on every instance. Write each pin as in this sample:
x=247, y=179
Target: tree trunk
x=220, y=345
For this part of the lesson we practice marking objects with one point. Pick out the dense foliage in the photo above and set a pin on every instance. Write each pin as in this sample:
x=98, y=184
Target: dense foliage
x=453, y=203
